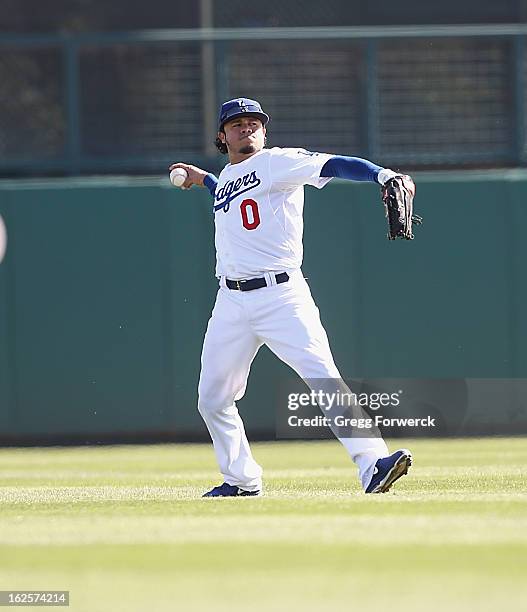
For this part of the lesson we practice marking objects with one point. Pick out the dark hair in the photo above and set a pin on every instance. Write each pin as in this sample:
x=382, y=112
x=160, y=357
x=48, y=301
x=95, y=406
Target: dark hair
x=221, y=146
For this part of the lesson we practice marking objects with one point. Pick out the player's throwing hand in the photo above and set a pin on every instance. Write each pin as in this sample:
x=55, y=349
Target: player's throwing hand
x=195, y=174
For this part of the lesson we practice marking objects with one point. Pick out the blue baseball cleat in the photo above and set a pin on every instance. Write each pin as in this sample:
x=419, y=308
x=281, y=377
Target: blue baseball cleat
x=227, y=490
x=389, y=469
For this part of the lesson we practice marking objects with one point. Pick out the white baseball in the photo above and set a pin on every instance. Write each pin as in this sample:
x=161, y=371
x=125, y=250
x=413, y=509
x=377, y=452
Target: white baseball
x=3, y=239
x=178, y=176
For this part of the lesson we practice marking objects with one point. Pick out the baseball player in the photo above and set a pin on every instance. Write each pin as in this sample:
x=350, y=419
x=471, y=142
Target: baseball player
x=263, y=297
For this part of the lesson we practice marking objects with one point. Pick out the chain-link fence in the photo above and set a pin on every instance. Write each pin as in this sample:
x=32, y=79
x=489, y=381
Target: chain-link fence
x=32, y=110
x=140, y=101
x=445, y=101
x=133, y=102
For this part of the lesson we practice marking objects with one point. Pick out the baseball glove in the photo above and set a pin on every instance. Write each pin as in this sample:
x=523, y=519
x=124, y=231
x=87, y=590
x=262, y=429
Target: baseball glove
x=398, y=198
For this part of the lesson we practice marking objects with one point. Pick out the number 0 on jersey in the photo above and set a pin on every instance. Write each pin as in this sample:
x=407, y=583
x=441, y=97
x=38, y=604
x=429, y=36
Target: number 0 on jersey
x=254, y=214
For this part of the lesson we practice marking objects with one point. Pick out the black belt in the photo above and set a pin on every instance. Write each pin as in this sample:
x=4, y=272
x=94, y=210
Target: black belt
x=255, y=283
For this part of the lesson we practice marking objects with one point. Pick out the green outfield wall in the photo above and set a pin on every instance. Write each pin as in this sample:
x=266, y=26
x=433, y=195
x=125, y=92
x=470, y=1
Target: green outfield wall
x=108, y=283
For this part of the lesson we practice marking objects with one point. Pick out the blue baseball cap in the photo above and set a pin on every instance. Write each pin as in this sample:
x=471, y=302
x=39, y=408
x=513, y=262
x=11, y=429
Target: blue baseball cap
x=241, y=106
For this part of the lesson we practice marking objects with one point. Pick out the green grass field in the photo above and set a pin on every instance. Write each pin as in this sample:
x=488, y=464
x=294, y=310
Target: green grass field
x=124, y=528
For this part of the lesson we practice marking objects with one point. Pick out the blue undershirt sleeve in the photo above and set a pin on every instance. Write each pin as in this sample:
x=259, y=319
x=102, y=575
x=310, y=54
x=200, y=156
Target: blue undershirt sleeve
x=210, y=182
x=351, y=168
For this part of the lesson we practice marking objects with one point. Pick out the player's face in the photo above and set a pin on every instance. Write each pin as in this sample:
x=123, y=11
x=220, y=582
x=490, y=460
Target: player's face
x=243, y=135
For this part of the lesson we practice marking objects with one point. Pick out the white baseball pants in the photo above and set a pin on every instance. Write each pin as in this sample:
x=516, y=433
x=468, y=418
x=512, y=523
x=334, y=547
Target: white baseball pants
x=286, y=319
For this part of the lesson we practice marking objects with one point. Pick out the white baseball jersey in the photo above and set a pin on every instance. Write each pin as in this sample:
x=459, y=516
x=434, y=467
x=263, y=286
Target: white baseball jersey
x=258, y=211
